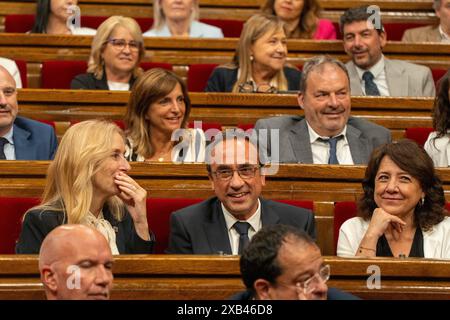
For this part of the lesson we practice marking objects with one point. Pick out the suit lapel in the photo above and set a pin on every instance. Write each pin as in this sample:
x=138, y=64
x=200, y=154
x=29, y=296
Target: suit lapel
x=396, y=79
x=355, y=82
x=358, y=145
x=22, y=147
x=216, y=231
x=268, y=216
x=299, y=139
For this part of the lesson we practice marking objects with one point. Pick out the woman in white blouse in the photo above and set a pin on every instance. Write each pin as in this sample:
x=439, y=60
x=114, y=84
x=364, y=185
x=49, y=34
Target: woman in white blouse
x=401, y=212
x=438, y=143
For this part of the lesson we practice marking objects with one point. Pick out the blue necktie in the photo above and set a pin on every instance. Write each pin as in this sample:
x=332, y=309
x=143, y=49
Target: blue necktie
x=3, y=141
x=370, y=85
x=242, y=229
x=333, y=142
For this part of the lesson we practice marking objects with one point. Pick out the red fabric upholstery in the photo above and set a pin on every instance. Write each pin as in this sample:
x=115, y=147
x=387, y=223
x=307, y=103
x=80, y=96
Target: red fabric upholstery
x=11, y=212
x=22, y=66
x=246, y=126
x=59, y=74
x=419, y=135
x=198, y=75
x=307, y=204
x=144, y=23
x=49, y=122
x=394, y=30
x=342, y=212
x=438, y=74
x=92, y=21
x=158, y=215
x=19, y=23
x=150, y=65
x=230, y=28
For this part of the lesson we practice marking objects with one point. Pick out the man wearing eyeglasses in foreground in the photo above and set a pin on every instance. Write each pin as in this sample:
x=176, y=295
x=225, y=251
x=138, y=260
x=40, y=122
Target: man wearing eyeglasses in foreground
x=21, y=138
x=225, y=223
x=284, y=263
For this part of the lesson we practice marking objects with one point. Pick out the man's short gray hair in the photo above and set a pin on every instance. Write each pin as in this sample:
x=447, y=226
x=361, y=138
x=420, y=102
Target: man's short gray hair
x=318, y=62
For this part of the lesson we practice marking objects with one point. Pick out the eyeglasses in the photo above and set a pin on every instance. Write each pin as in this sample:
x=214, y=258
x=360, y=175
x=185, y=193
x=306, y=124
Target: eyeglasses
x=8, y=91
x=120, y=44
x=249, y=87
x=310, y=284
x=244, y=173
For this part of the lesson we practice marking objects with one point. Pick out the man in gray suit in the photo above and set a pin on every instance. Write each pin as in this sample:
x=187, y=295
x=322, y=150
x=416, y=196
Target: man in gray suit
x=434, y=33
x=371, y=74
x=225, y=223
x=327, y=134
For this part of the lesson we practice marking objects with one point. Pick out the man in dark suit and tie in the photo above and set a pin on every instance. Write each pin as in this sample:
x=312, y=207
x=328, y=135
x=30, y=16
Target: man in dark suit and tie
x=225, y=223
x=326, y=134
x=21, y=138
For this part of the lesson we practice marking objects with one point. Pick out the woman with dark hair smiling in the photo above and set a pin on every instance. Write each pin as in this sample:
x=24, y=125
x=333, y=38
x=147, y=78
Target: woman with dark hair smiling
x=401, y=212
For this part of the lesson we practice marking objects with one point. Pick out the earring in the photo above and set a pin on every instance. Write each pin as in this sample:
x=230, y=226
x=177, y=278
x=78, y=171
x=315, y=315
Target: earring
x=423, y=200
x=251, y=57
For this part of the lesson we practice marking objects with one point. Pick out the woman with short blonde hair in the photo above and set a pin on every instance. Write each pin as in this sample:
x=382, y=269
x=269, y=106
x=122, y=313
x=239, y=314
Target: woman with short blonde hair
x=180, y=18
x=259, y=64
x=87, y=184
x=116, y=51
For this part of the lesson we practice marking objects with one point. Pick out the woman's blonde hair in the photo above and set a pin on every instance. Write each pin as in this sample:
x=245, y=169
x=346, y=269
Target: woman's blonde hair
x=79, y=157
x=255, y=27
x=159, y=19
x=96, y=63
x=308, y=20
x=153, y=85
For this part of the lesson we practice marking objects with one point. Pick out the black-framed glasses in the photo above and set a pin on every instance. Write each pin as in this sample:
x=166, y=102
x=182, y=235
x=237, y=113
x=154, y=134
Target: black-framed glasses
x=244, y=172
x=311, y=283
x=120, y=44
x=8, y=91
x=249, y=87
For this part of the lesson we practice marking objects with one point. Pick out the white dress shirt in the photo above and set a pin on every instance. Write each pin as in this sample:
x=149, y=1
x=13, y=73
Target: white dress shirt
x=321, y=149
x=438, y=149
x=233, y=235
x=379, y=77
x=8, y=149
x=118, y=86
x=445, y=37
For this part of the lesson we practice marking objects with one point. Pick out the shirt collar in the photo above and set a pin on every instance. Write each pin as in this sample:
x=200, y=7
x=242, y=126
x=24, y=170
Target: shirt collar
x=376, y=69
x=9, y=135
x=313, y=136
x=230, y=220
x=272, y=83
x=444, y=36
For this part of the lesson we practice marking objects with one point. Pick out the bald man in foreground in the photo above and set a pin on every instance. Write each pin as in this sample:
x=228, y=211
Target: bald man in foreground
x=75, y=263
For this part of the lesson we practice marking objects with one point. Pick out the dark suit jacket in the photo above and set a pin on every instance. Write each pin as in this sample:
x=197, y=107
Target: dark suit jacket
x=201, y=228
x=37, y=224
x=89, y=82
x=333, y=294
x=295, y=147
x=33, y=140
x=223, y=79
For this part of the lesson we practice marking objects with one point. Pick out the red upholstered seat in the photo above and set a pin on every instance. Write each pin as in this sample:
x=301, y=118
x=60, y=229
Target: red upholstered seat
x=419, y=135
x=144, y=23
x=437, y=74
x=19, y=23
x=11, y=212
x=246, y=126
x=22, y=66
x=59, y=74
x=158, y=215
x=150, y=65
x=342, y=212
x=198, y=75
x=230, y=28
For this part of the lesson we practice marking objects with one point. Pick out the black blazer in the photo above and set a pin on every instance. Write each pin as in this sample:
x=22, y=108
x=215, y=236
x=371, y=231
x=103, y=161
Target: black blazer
x=201, y=228
x=223, y=79
x=88, y=81
x=37, y=224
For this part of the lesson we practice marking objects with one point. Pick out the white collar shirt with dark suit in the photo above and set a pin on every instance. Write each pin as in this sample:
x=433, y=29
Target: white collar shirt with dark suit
x=201, y=228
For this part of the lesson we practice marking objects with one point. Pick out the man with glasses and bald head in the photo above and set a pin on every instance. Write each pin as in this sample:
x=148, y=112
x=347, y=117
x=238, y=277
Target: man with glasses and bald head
x=284, y=263
x=225, y=223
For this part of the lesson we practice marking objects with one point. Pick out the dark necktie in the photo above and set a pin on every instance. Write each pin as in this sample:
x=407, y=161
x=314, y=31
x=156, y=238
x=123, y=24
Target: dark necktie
x=333, y=143
x=369, y=84
x=3, y=141
x=242, y=229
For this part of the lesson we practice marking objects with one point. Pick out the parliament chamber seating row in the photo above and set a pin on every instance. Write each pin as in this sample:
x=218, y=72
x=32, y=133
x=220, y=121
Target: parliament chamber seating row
x=330, y=191
x=222, y=110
